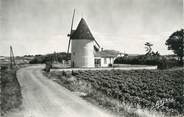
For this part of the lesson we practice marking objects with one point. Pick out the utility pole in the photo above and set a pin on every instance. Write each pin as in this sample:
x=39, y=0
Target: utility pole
x=55, y=57
x=12, y=58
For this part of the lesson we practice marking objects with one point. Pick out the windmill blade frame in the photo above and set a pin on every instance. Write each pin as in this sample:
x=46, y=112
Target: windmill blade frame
x=97, y=43
x=70, y=34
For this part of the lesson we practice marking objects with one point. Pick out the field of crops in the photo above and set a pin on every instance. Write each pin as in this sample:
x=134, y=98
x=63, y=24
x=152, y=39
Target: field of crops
x=160, y=90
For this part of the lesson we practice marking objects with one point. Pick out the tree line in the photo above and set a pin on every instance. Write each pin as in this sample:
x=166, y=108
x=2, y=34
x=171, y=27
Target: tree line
x=175, y=42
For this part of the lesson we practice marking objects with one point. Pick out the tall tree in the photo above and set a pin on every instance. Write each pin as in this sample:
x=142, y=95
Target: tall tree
x=148, y=48
x=176, y=43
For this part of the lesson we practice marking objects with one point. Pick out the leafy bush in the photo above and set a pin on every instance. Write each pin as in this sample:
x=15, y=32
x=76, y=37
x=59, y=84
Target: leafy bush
x=161, y=62
x=110, y=65
x=165, y=64
x=48, y=67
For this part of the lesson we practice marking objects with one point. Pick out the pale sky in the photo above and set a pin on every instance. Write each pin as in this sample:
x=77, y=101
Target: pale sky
x=41, y=26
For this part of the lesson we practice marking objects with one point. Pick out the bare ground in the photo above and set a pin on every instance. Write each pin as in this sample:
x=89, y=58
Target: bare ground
x=44, y=98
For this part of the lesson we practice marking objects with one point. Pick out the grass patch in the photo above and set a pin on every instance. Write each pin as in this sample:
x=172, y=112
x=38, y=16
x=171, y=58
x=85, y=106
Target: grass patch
x=10, y=95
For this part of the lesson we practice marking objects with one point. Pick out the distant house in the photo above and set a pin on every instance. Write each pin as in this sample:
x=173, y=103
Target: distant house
x=2, y=58
x=105, y=58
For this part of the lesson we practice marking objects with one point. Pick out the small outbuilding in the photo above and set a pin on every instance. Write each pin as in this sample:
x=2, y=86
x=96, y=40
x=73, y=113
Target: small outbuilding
x=105, y=58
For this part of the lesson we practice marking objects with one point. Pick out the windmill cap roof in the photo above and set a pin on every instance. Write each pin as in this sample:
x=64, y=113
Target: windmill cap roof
x=82, y=31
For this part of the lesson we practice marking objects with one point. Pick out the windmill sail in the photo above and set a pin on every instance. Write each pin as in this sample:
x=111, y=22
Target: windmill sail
x=71, y=31
x=96, y=46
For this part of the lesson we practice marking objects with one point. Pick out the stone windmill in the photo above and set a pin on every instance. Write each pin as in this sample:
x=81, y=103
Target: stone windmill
x=83, y=45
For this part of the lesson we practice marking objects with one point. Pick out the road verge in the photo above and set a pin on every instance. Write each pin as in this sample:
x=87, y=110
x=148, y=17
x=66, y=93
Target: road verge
x=10, y=95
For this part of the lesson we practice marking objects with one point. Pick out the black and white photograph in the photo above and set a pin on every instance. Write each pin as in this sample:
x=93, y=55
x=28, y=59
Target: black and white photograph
x=91, y=58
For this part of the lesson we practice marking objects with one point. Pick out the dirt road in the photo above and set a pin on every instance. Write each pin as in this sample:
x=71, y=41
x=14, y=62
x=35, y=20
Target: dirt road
x=44, y=98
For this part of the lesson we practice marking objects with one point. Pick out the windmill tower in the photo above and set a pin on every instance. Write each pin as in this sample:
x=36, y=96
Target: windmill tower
x=82, y=45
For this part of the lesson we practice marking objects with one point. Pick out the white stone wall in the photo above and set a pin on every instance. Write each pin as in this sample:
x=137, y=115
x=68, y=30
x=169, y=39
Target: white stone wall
x=82, y=53
x=108, y=61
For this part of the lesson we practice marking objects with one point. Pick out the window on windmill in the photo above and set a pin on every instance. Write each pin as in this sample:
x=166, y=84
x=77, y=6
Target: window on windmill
x=105, y=60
